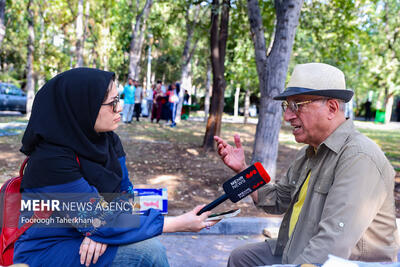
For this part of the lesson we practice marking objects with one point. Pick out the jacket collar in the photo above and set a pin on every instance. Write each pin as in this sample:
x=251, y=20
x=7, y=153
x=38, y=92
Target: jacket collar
x=337, y=139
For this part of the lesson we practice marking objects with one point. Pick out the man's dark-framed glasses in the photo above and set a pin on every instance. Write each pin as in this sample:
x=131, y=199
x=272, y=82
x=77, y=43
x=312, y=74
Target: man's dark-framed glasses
x=294, y=106
x=114, y=104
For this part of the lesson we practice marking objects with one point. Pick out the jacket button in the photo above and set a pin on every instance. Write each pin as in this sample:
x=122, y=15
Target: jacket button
x=341, y=224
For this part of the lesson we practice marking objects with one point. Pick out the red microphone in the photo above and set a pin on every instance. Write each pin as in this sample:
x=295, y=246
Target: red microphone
x=241, y=185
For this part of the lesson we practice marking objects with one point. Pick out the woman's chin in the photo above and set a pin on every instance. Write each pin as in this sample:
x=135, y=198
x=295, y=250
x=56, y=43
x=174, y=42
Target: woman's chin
x=115, y=126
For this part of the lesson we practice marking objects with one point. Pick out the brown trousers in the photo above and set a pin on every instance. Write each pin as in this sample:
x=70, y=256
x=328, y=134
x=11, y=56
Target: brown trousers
x=253, y=254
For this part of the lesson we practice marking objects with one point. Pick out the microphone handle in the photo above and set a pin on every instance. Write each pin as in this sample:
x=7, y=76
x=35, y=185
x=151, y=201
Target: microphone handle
x=213, y=204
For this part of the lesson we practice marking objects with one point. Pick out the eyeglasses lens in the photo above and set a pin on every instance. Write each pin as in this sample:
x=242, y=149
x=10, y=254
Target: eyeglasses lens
x=292, y=106
x=115, y=104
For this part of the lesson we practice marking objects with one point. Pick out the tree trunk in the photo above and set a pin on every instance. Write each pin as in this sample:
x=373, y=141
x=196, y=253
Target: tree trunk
x=136, y=44
x=389, y=99
x=2, y=22
x=141, y=41
x=208, y=93
x=236, y=107
x=95, y=57
x=79, y=35
x=389, y=90
x=272, y=70
x=218, y=48
x=81, y=61
x=246, y=105
x=30, y=83
x=42, y=44
x=192, y=88
x=186, y=58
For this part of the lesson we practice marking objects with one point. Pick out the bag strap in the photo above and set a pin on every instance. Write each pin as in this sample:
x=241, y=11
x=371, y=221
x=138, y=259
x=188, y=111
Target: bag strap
x=36, y=215
x=20, y=231
x=21, y=169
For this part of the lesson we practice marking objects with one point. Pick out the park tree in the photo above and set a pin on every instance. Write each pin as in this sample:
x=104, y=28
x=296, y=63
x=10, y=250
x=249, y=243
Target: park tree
x=272, y=69
x=81, y=30
x=218, y=39
x=384, y=31
x=240, y=64
x=138, y=28
x=208, y=92
x=13, y=48
x=30, y=83
x=360, y=38
x=2, y=23
x=330, y=32
x=187, y=54
x=167, y=41
x=79, y=35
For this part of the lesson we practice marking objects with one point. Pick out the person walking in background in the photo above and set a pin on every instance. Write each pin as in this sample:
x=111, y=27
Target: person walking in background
x=367, y=107
x=173, y=100
x=398, y=110
x=149, y=100
x=138, y=100
x=168, y=104
x=129, y=101
x=157, y=103
x=186, y=97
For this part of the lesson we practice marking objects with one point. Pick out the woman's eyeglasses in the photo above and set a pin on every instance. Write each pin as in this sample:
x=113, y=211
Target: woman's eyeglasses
x=114, y=104
x=294, y=106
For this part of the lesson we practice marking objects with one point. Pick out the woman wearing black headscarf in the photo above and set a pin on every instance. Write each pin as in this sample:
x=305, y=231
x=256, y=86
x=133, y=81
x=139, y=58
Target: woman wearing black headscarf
x=72, y=149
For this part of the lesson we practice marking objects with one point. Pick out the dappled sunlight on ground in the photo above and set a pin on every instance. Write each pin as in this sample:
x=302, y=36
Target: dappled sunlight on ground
x=10, y=160
x=198, y=134
x=192, y=151
x=171, y=182
x=164, y=180
x=10, y=157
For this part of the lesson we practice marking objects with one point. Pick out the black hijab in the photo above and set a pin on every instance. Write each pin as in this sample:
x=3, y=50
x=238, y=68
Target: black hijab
x=61, y=127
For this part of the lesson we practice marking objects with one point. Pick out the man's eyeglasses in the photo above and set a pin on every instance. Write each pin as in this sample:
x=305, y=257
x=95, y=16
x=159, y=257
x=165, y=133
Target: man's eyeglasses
x=294, y=106
x=114, y=104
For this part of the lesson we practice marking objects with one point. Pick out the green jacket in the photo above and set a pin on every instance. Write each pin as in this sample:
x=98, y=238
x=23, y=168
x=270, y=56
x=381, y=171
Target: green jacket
x=349, y=209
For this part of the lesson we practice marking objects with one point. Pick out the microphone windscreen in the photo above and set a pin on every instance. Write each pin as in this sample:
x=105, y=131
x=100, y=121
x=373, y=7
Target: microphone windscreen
x=245, y=182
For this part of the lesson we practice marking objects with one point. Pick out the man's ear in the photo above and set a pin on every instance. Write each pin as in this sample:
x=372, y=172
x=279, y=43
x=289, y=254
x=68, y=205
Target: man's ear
x=333, y=108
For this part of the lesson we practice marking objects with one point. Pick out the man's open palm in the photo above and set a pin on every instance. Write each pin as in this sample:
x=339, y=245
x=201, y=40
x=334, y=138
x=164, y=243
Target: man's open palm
x=233, y=157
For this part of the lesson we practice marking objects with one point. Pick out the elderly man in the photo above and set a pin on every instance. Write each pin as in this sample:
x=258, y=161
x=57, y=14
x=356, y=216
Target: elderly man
x=337, y=195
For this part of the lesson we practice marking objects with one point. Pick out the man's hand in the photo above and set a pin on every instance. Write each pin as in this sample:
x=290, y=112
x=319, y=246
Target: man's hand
x=91, y=249
x=232, y=157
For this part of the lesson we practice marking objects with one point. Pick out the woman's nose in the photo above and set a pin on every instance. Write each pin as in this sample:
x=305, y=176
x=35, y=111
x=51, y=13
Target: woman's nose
x=119, y=107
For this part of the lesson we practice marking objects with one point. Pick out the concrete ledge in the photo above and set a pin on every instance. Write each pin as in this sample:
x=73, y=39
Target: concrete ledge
x=244, y=226
x=239, y=226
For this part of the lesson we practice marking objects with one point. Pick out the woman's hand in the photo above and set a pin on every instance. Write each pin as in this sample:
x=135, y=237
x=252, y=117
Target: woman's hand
x=188, y=222
x=232, y=157
x=91, y=249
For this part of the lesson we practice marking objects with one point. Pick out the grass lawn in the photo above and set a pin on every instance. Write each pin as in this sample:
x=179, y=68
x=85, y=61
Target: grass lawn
x=389, y=141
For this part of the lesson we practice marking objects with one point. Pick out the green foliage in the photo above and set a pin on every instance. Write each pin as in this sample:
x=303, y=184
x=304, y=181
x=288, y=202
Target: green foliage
x=328, y=32
x=240, y=65
x=388, y=141
x=360, y=37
